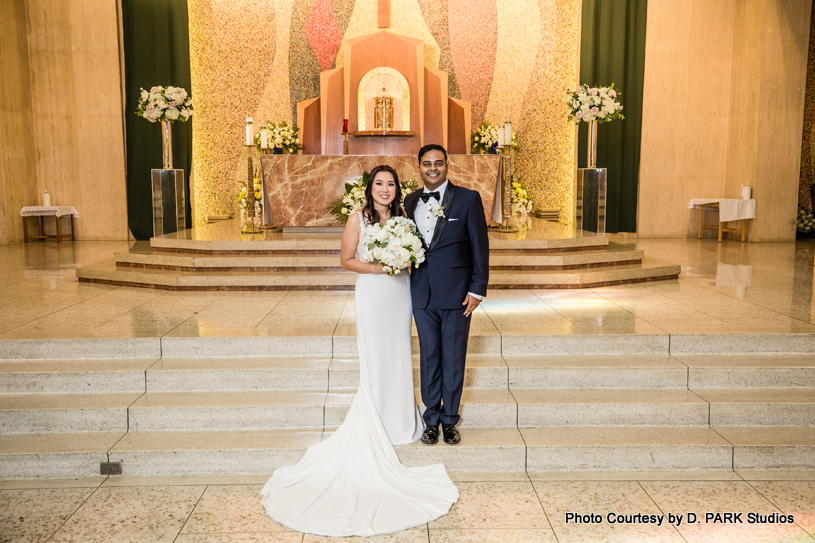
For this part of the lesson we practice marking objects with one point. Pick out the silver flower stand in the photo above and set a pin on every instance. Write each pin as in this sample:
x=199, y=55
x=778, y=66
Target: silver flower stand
x=169, y=206
x=590, y=208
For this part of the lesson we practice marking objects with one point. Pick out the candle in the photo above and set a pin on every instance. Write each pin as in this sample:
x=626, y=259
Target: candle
x=46, y=199
x=500, y=136
x=508, y=133
x=250, y=136
x=344, y=125
x=264, y=138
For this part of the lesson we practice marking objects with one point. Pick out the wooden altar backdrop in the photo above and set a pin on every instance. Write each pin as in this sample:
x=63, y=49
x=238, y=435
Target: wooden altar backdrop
x=299, y=188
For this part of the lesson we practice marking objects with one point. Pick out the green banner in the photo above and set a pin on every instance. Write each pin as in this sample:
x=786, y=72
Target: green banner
x=612, y=50
x=157, y=52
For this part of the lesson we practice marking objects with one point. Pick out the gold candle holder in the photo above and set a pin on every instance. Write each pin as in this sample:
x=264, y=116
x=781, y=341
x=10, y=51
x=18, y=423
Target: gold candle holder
x=506, y=191
x=250, y=190
x=345, y=143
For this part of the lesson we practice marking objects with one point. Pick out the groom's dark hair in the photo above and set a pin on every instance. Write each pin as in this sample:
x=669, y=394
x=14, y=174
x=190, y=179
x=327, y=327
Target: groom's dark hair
x=431, y=147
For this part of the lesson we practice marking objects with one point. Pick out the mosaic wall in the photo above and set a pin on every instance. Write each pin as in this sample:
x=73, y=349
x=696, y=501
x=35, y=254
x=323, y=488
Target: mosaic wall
x=509, y=58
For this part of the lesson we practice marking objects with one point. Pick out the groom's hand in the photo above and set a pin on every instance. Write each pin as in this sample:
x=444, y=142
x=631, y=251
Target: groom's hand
x=471, y=304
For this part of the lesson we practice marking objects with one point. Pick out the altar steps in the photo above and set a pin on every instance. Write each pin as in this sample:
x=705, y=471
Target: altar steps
x=520, y=413
x=330, y=278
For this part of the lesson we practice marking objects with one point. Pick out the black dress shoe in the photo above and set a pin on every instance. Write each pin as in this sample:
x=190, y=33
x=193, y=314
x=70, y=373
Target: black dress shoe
x=450, y=434
x=430, y=436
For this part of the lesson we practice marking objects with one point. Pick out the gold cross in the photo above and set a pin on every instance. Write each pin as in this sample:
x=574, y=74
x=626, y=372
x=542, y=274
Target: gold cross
x=384, y=13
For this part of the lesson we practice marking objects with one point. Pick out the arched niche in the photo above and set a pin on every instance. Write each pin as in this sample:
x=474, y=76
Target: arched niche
x=371, y=85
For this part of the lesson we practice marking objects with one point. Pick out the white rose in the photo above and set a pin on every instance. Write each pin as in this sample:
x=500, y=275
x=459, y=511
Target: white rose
x=171, y=114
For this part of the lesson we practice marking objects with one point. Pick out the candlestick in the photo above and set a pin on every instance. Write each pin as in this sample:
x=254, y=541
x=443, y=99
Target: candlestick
x=264, y=138
x=345, y=125
x=507, y=133
x=500, y=136
x=250, y=135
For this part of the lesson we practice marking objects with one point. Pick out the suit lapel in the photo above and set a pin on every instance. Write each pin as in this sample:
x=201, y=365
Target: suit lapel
x=442, y=222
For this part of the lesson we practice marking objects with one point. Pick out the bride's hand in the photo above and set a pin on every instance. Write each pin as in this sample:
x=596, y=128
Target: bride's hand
x=380, y=269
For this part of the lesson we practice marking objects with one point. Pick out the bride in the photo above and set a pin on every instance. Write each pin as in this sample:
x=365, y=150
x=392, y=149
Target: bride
x=352, y=483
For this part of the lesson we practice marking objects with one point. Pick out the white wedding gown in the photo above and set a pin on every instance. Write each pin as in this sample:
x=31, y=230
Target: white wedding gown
x=352, y=483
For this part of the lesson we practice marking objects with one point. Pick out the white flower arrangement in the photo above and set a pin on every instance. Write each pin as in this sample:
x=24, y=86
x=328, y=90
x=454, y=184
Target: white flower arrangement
x=519, y=200
x=282, y=139
x=437, y=210
x=243, y=196
x=165, y=104
x=353, y=199
x=594, y=104
x=396, y=244
x=485, y=140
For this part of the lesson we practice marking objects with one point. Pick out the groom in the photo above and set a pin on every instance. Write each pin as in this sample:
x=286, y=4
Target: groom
x=446, y=288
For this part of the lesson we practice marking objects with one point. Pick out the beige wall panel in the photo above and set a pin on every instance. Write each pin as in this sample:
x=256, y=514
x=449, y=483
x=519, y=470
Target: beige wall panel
x=75, y=81
x=722, y=106
x=766, y=110
x=18, y=168
x=685, y=105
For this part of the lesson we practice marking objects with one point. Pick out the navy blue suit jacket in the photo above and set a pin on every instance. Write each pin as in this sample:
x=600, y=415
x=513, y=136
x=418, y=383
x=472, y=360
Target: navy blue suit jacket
x=457, y=258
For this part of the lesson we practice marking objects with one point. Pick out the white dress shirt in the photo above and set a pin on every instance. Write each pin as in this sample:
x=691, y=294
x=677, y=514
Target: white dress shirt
x=426, y=221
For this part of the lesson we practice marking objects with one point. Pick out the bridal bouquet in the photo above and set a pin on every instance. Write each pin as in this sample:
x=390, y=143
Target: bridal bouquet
x=485, y=140
x=165, y=104
x=281, y=138
x=594, y=104
x=353, y=199
x=397, y=244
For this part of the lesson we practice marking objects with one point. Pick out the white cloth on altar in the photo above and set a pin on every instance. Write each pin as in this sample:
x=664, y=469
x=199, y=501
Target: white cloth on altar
x=47, y=211
x=730, y=209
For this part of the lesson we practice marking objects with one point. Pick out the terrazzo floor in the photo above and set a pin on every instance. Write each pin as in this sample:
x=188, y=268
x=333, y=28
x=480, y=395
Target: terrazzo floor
x=497, y=509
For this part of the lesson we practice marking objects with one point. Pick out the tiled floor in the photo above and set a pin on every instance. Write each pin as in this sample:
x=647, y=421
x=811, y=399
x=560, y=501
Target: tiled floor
x=496, y=509
x=724, y=288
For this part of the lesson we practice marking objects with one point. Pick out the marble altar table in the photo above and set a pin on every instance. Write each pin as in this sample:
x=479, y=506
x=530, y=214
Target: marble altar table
x=299, y=188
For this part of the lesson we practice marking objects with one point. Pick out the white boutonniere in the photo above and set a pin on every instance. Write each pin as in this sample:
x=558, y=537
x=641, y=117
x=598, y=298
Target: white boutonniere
x=437, y=210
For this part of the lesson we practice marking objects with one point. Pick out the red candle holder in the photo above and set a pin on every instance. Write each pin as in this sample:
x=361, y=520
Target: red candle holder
x=344, y=125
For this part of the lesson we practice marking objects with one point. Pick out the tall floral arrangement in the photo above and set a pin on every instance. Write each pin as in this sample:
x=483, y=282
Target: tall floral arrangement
x=594, y=104
x=484, y=141
x=282, y=139
x=164, y=104
x=353, y=199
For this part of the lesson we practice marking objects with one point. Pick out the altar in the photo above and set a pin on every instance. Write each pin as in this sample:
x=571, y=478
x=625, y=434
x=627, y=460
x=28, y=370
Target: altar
x=299, y=188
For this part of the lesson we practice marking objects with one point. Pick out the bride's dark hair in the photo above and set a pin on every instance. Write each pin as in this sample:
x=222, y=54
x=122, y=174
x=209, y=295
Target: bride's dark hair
x=369, y=212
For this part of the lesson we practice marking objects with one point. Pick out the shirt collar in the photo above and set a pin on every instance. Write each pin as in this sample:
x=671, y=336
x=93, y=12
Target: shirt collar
x=440, y=190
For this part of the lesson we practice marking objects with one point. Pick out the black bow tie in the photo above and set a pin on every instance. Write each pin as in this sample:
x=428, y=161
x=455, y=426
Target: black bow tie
x=425, y=196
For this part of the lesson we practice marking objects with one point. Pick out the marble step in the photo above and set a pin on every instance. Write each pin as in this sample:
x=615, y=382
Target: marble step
x=625, y=449
x=753, y=370
x=319, y=261
x=761, y=407
x=107, y=272
x=609, y=408
x=196, y=241
x=103, y=376
x=485, y=371
x=771, y=447
x=480, y=408
x=70, y=456
x=261, y=452
x=63, y=413
x=596, y=372
x=482, y=450
x=239, y=374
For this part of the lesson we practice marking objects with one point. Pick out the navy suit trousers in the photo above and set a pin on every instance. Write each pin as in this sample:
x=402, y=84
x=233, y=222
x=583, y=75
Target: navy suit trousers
x=443, y=338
